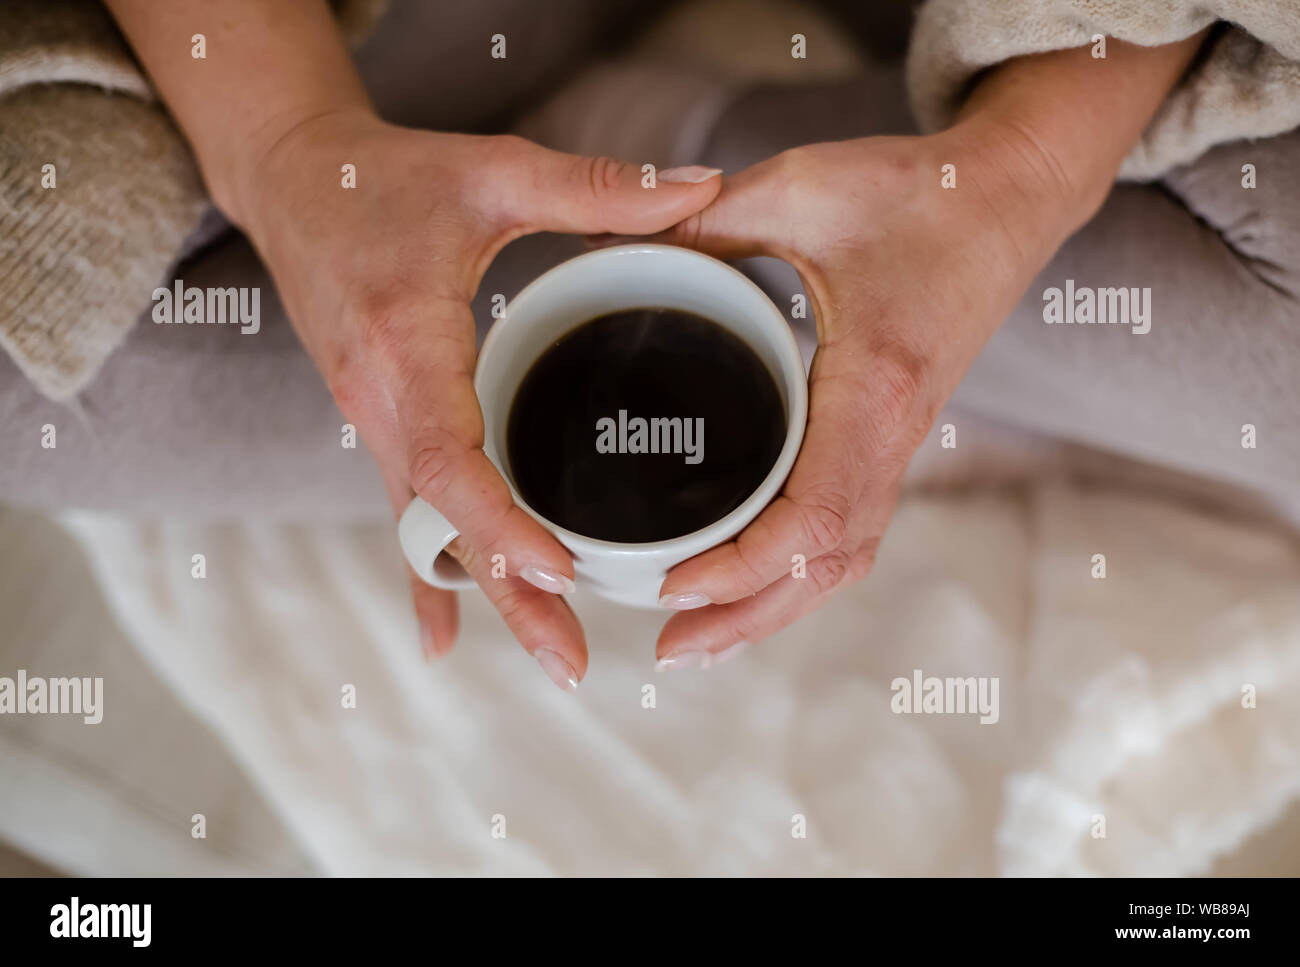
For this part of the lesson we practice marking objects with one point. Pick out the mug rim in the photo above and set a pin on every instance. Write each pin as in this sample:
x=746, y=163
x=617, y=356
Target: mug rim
x=733, y=521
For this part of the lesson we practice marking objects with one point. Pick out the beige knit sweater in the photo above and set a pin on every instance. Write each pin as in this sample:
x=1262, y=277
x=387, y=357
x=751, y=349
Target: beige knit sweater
x=78, y=259
x=75, y=258
x=1245, y=85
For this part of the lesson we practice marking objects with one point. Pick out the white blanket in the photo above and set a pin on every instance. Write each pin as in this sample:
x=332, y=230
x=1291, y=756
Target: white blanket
x=1119, y=698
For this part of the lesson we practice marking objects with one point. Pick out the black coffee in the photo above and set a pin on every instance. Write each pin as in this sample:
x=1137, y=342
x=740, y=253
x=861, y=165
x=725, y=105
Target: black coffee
x=642, y=425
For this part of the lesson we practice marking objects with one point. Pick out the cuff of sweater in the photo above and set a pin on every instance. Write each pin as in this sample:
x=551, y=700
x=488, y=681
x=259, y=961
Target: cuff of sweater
x=1246, y=84
x=98, y=197
x=99, y=193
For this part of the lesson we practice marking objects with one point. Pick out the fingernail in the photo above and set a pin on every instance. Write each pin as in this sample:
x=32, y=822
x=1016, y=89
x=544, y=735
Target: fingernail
x=684, y=600
x=547, y=580
x=427, y=647
x=697, y=658
x=688, y=174
x=557, y=670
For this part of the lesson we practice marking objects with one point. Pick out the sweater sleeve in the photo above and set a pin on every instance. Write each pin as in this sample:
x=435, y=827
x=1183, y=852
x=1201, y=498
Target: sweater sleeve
x=99, y=193
x=1245, y=84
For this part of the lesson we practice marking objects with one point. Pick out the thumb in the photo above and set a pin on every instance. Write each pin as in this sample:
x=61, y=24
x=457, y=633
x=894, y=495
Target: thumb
x=754, y=214
x=588, y=196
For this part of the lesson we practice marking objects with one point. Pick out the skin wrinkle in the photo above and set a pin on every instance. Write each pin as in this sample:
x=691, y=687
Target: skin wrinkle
x=754, y=577
x=263, y=157
x=826, y=572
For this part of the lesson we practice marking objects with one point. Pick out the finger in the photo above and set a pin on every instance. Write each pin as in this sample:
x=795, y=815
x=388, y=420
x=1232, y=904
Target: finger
x=436, y=611
x=440, y=421
x=543, y=623
x=556, y=192
x=857, y=407
x=438, y=615
x=699, y=639
x=749, y=217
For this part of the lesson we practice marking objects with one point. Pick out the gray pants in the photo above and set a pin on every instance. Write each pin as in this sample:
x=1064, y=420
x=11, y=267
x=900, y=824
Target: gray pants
x=204, y=421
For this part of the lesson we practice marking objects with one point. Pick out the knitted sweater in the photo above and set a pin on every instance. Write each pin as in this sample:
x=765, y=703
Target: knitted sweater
x=1245, y=84
x=80, y=242
x=98, y=190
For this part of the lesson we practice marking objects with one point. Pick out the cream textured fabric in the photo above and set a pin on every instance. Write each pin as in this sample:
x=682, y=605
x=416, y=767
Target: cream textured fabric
x=1245, y=85
x=78, y=260
x=1119, y=697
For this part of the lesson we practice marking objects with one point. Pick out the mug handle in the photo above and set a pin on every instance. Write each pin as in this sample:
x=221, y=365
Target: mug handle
x=424, y=534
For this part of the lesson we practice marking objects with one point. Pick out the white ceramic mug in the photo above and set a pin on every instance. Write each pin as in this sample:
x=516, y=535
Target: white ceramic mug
x=575, y=292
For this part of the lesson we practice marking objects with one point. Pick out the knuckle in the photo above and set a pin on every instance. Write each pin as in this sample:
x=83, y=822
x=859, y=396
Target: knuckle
x=824, y=519
x=689, y=231
x=740, y=627
x=751, y=577
x=897, y=377
x=381, y=338
x=378, y=316
x=828, y=571
x=463, y=553
x=800, y=179
x=793, y=162
x=498, y=154
x=785, y=181
x=348, y=383
x=863, y=560
x=357, y=386
x=603, y=174
x=433, y=462
x=511, y=145
x=347, y=364
x=512, y=603
x=491, y=176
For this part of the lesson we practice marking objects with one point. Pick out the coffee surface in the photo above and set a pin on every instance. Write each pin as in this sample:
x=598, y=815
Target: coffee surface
x=643, y=425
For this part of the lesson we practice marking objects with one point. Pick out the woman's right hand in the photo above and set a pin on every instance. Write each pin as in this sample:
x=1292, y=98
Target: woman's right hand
x=378, y=279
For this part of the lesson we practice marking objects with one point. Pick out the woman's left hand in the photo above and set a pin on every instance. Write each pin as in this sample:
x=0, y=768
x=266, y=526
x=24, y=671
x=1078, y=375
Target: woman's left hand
x=907, y=280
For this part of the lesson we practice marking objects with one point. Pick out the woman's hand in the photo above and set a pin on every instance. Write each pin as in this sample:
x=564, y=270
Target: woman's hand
x=907, y=280
x=378, y=280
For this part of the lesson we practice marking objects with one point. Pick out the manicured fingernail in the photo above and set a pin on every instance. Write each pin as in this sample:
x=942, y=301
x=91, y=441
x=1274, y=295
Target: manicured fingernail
x=427, y=647
x=684, y=600
x=557, y=670
x=689, y=174
x=547, y=580
x=695, y=658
